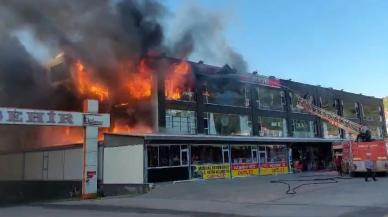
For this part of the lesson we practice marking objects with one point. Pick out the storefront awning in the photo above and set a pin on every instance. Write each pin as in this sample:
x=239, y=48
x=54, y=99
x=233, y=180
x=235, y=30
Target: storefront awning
x=198, y=139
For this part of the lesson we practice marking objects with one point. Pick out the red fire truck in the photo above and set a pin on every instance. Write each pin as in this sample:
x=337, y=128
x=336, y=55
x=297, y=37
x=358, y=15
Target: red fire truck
x=353, y=153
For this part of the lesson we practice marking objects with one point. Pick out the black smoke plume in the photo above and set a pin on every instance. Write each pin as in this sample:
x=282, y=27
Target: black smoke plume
x=102, y=34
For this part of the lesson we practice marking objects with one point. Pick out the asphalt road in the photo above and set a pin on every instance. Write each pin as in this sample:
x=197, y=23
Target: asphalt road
x=316, y=195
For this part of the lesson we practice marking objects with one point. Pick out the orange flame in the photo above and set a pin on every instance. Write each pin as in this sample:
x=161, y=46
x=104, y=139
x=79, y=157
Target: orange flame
x=84, y=83
x=53, y=136
x=175, y=80
x=140, y=83
x=124, y=128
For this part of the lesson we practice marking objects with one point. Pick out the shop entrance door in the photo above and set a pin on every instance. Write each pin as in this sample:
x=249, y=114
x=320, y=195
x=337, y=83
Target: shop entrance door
x=225, y=154
x=254, y=154
x=184, y=156
x=262, y=157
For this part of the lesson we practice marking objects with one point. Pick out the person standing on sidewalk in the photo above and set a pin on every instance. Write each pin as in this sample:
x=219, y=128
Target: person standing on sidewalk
x=338, y=165
x=369, y=168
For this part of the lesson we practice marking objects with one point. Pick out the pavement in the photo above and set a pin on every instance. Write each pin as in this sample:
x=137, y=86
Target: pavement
x=316, y=195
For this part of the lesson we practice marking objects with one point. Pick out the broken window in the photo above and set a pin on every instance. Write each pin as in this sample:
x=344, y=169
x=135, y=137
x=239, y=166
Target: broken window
x=270, y=98
x=226, y=93
x=372, y=112
x=294, y=99
x=227, y=124
x=350, y=109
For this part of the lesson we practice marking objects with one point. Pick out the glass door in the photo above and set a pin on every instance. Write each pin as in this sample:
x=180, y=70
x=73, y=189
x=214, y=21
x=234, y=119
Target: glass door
x=225, y=154
x=254, y=154
x=184, y=155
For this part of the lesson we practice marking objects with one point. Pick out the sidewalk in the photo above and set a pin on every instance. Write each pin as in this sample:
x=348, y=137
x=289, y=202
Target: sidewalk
x=250, y=196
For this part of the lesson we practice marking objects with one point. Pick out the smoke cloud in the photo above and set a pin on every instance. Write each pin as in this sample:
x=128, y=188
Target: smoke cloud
x=100, y=33
x=202, y=32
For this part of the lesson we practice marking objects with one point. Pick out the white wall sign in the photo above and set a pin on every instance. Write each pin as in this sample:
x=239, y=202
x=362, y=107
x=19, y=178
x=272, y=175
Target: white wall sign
x=52, y=118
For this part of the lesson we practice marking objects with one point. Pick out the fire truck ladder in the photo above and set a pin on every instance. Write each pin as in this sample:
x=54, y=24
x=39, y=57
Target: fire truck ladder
x=332, y=118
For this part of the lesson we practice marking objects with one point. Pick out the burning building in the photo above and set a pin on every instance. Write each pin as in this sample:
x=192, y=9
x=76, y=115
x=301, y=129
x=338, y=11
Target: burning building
x=176, y=120
x=172, y=119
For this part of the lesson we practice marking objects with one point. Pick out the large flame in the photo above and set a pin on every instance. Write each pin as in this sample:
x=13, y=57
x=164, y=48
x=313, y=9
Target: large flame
x=176, y=79
x=140, y=84
x=127, y=96
x=85, y=85
x=134, y=84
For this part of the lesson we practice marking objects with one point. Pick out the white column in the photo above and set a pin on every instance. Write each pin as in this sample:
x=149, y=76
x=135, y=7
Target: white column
x=90, y=154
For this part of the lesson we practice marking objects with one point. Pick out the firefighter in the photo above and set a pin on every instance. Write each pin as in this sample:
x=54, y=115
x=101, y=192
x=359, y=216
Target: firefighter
x=369, y=167
x=338, y=164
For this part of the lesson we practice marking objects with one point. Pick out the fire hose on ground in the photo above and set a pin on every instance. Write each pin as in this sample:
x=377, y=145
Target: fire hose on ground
x=311, y=181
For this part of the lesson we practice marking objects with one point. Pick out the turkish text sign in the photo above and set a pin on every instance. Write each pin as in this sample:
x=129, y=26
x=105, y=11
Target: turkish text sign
x=52, y=118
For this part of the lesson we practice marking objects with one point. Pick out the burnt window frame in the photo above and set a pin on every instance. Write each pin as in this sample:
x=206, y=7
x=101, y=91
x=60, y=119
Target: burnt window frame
x=246, y=89
x=282, y=94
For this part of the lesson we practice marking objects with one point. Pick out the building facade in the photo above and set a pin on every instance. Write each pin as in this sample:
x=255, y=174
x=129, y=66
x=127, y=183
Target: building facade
x=218, y=123
x=224, y=102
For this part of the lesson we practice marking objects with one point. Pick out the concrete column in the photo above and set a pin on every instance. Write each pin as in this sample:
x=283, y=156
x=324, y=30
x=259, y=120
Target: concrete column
x=90, y=154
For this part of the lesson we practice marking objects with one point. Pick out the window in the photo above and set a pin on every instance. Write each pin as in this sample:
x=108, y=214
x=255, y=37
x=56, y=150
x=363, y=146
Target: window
x=208, y=154
x=376, y=132
x=227, y=124
x=372, y=112
x=153, y=156
x=270, y=98
x=350, y=109
x=329, y=104
x=352, y=136
x=330, y=131
x=167, y=155
x=179, y=83
x=294, y=99
x=226, y=93
x=181, y=121
x=243, y=154
x=276, y=153
x=303, y=128
x=270, y=126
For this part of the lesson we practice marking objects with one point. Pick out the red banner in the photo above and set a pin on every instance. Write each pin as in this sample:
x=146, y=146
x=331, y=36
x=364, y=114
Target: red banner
x=245, y=169
x=273, y=168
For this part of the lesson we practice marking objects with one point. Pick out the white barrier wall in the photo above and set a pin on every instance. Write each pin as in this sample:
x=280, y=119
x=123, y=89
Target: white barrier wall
x=11, y=167
x=123, y=165
x=33, y=166
x=56, y=165
x=73, y=159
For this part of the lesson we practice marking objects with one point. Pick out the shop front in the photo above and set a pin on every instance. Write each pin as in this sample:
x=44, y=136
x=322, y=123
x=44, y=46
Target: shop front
x=161, y=158
x=214, y=161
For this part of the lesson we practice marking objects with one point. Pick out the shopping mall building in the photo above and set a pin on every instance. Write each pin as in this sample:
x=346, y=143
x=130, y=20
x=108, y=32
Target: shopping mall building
x=223, y=124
